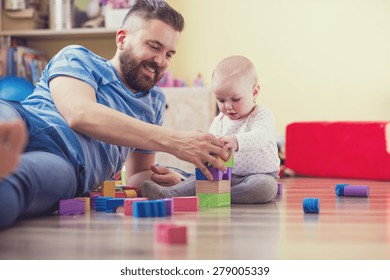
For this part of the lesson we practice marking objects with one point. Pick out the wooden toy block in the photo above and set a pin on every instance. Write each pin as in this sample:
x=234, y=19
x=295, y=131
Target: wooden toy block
x=279, y=189
x=128, y=205
x=214, y=199
x=169, y=205
x=95, y=193
x=109, y=188
x=71, y=207
x=229, y=163
x=126, y=187
x=101, y=203
x=199, y=174
x=130, y=193
x=223, y=186
x=186, y=204
x=112, y=204
x=133, y=191
x=87, y=201
x=123, y=175
x=120, y=194
x=170, y=234
x=218, y=175
x=227, y=175
x=92, y=199
x=149, y=208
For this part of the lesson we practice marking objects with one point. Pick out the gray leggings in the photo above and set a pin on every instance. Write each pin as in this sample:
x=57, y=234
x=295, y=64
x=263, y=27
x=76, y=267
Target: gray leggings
x=254, y=188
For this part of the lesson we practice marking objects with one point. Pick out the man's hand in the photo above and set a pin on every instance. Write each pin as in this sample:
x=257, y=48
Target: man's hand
x=164, y=177
x=200, y=148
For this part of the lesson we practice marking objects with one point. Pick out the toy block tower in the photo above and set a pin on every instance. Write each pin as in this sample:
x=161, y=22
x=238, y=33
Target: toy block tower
x=214, y=193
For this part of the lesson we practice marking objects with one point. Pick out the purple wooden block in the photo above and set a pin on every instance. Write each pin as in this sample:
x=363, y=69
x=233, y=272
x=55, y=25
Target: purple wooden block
x=71, y=207
x=228, y=174
x=217, y=174
x=363, y=191
x=92, y=200
x=279, y=188
x=168, y=205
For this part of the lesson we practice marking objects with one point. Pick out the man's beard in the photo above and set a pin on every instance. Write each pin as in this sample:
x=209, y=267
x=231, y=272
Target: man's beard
x=133, y=75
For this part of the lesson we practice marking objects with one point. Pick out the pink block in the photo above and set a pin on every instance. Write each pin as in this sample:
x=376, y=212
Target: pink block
x=171, y=233
x=128, y=205
x=186, y=204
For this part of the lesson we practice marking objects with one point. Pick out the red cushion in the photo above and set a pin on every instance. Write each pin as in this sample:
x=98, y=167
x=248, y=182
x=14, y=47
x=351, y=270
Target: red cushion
x=338, y=149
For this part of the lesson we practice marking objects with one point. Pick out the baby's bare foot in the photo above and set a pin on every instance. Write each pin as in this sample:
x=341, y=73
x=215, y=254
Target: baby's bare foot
x=13, y=137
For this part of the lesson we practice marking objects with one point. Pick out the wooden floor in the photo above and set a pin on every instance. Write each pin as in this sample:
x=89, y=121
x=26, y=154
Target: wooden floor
x=346, y=228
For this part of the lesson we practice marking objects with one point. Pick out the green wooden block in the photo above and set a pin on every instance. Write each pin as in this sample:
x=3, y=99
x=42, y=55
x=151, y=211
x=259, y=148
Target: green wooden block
x=230, y=162
x=214, y=199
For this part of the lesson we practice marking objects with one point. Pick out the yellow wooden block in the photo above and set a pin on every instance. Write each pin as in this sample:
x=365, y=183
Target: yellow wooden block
x=109, y=188
x=205, y=186
x=87, y=201
x=130, y=193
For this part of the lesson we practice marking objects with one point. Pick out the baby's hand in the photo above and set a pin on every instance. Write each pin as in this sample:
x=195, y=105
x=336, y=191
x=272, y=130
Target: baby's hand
x=230, y=143
x=164, y=177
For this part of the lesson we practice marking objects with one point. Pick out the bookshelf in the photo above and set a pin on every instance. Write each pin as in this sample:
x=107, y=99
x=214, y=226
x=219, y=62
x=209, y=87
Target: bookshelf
x=100, y=40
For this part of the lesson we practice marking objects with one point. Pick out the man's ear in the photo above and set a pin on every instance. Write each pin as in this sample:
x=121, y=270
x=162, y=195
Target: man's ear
x=120, y=38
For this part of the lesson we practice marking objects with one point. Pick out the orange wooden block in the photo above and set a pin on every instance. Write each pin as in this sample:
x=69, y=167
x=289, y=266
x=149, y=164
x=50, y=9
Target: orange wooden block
x=87, y=202
x=130, y=193
x=109, y=188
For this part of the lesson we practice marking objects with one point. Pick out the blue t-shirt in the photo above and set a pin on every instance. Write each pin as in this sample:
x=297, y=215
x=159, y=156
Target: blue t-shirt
x=94, y=161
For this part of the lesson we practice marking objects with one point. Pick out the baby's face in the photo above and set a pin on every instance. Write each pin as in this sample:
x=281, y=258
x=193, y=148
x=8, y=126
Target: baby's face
x=235, y=99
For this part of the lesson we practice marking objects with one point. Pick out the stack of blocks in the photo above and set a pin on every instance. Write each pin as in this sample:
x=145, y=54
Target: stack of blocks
x=215, y=193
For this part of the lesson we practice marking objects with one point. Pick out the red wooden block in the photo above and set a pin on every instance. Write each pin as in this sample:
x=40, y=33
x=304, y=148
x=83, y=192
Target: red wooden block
x=171, y=233
x=186, y=204
x=120, y=194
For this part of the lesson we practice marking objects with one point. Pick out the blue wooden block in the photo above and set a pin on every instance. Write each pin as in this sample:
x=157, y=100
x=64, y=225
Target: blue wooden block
x=199, y=174
x=149, y=208
x=101, y=203
x=113, y=203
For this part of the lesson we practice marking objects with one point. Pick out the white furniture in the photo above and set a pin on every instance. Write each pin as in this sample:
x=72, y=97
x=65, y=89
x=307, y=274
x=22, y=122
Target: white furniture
x=189, y=108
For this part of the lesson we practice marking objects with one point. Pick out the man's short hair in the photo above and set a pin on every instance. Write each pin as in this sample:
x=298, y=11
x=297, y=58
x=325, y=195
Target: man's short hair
x=155, y=9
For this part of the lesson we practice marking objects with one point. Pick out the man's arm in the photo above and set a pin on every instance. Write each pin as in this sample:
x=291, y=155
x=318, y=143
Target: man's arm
x=76, y=102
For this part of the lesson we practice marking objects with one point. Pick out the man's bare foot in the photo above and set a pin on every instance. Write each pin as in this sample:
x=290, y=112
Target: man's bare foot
x=13, y=138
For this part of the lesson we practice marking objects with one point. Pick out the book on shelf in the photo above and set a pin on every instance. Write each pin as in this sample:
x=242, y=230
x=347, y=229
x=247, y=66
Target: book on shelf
x=23, y=62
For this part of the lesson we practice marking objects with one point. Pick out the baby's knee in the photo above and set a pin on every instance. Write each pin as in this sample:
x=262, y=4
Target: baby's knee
x=259, y=188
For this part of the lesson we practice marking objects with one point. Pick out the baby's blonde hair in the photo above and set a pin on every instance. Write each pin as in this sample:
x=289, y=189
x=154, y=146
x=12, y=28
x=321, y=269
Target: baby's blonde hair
x=235, y=67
